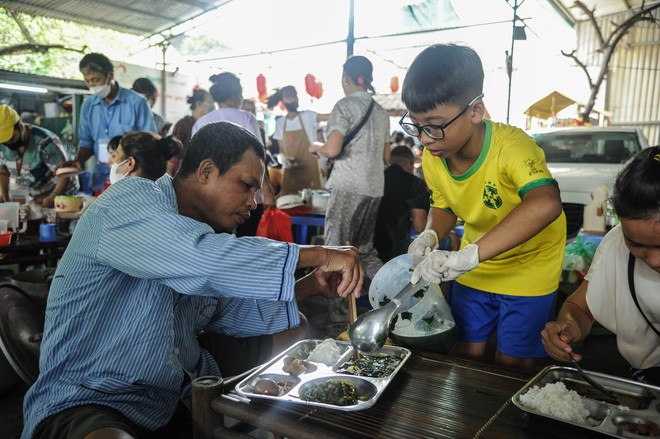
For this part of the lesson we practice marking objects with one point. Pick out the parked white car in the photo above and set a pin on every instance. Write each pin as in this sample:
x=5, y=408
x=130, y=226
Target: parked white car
x=583, y=158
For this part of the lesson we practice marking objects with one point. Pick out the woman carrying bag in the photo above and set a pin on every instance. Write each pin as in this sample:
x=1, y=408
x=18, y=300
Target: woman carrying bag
x=357, y=180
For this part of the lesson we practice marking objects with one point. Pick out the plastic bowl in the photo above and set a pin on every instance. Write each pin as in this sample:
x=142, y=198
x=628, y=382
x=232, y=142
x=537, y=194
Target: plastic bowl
x=428, y=323
x=5, y=239
x=65, y=203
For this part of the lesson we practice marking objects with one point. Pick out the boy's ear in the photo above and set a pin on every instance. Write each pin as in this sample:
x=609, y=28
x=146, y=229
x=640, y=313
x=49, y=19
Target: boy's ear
x=478, y=111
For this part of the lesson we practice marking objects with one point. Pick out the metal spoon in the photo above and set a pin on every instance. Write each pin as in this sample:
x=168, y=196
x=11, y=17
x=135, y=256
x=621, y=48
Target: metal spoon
x=370, y=330
x=590, y=380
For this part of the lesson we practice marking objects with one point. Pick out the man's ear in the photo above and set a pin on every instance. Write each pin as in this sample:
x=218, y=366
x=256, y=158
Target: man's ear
x=205, y=171
x=132, y=165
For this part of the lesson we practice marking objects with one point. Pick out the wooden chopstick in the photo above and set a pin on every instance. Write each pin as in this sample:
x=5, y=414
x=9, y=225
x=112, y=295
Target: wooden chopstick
x=352, y=313
x=352, y=309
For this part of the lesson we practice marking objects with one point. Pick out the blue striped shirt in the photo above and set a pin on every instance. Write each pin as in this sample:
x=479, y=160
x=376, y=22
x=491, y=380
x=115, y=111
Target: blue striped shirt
x=137, y=282
x=98, y=120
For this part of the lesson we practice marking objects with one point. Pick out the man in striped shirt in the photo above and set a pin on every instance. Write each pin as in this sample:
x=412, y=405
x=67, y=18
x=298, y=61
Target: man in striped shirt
x=151, y=265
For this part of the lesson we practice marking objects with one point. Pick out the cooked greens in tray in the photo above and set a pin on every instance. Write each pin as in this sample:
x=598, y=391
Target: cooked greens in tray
x=335, y=392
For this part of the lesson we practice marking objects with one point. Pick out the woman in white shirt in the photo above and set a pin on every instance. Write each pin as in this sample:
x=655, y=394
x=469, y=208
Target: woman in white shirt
x=621, y=288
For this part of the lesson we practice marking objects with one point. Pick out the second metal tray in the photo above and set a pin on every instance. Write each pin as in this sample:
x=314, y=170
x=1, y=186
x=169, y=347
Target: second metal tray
x=634, y=414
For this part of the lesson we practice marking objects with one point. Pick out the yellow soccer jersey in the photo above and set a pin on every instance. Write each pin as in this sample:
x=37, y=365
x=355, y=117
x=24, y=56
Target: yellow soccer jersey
x=510, y=164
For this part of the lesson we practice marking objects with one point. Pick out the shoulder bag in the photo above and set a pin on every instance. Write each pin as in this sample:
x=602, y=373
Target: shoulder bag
x=350, y=136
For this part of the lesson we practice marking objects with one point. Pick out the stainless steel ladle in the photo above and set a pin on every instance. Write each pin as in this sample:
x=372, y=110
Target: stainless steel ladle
x=370, y=330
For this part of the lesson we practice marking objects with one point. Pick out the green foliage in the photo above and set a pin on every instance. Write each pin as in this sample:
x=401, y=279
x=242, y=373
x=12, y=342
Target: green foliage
x=60, y=63
x=201, y=44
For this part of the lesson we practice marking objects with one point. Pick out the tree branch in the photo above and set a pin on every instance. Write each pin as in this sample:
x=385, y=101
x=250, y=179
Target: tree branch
x=592, y=19
x=580, y=64
x=37, y=48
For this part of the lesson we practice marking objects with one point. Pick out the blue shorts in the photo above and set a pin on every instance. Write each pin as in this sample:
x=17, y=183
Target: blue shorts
x=517, y=320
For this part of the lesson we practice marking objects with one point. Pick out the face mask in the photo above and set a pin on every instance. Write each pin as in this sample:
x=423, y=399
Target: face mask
x=101, y=91
x=114, y=176
x=293, y=106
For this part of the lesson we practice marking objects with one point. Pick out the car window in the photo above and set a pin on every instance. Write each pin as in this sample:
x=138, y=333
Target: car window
x=585, y=147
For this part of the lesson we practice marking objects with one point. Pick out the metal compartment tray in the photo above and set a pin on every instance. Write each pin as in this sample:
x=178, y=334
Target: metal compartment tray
x=368, y=389
x=634, y=414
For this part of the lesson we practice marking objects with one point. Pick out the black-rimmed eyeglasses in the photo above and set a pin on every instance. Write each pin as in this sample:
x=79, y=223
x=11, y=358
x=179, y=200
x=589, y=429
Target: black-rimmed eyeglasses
x=436, y=132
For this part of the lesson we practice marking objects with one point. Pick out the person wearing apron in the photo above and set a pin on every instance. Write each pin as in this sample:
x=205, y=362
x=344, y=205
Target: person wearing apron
x=294, y=133
x=302, y=171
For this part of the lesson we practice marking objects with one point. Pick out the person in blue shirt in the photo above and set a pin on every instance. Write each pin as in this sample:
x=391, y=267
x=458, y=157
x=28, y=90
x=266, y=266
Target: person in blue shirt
x=111, y=111
x=151, y=275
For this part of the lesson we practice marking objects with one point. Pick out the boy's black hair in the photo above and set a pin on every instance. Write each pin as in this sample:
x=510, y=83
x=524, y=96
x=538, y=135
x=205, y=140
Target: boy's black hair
x=224, y=143
x=442, y=74
x=637, y=187
x=96, y=62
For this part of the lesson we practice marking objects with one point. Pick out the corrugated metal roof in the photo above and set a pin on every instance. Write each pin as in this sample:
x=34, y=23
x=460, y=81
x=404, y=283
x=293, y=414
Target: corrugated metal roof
x=139, y=17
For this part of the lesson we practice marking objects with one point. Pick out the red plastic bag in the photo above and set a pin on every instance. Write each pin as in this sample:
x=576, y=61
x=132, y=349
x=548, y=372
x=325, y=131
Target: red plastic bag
x=275, y=224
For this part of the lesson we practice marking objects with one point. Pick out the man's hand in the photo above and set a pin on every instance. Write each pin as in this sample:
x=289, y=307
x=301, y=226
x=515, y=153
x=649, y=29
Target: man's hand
x=345, y=261
x=556, y=338
x=442, y=266
x=424, y=244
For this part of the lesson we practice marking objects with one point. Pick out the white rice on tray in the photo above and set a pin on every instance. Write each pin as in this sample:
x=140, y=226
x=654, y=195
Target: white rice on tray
x=555, y=400
x=326, y=352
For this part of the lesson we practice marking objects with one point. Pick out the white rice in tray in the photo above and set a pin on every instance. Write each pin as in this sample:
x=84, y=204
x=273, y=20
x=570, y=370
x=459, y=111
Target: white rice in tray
x=326, y=352
x=555, y=400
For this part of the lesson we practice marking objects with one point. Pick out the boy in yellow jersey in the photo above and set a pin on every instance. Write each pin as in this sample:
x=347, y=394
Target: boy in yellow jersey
x=494, y=177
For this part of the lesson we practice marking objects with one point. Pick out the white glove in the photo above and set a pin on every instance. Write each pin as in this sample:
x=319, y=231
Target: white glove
x=424, y=244
x=444, y=266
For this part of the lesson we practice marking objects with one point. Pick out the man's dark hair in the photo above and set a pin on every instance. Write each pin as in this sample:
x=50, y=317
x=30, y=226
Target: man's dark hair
x=442, y=74
x=222, y=142
x=637, y=187
x=96, y=62
x=401, y=155
x=144, y=86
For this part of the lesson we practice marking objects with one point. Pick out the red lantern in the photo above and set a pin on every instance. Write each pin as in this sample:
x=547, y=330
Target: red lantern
x=261, y=87
x=310, y=84
x=318, y=89
x=394, y=84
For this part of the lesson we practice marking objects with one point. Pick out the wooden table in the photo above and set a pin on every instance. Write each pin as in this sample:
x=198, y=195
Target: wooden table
x=432, y=396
